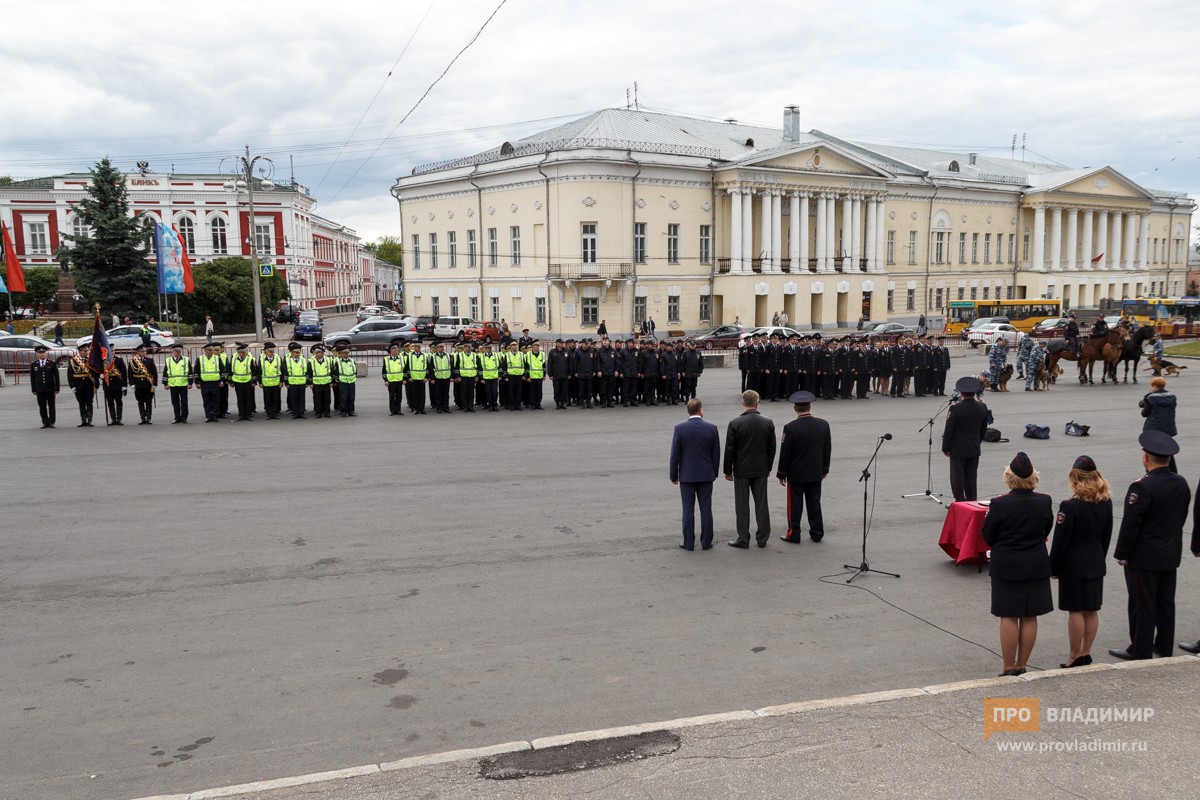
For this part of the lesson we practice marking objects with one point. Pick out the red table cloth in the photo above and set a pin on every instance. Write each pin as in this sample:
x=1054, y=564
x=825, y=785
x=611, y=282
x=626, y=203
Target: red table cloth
x=962, y=531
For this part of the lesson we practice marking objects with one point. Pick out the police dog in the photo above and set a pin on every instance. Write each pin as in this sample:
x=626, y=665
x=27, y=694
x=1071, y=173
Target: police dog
x=1159, y=366
x=1005, y=375
x=1043, y=378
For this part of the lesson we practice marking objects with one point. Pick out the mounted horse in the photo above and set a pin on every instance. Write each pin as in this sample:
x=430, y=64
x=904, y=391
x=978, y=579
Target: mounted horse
x=1131, y=351
x=1105, y=349
x=1058, y=350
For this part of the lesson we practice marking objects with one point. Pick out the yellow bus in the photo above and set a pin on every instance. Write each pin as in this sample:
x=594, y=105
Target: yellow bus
x=1168, y=315
x=1022, y=314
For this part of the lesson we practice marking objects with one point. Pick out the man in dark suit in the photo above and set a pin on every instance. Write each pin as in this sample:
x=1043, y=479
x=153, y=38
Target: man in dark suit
x=804, y=455
x=965, y=423
x=749, y=454
x=695, y=460
x=1150, y=546
x=44, y=380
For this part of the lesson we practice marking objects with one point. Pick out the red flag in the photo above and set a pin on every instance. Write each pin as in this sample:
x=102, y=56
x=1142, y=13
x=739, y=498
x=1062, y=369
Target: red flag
x=1096, y=260
x=189, y=285
x=100, y=358
x=16, y=276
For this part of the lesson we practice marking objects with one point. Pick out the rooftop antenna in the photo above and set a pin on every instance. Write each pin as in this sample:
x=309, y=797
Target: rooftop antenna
x=292, y=164
x=1012, y=153
x=627, y=98
x=1023, y=135
x=635, y=99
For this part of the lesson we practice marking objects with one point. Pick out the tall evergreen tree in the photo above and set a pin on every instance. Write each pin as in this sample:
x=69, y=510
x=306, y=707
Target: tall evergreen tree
x=110, y=264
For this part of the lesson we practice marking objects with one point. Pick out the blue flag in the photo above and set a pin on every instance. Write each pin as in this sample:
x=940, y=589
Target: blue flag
x=169, y=251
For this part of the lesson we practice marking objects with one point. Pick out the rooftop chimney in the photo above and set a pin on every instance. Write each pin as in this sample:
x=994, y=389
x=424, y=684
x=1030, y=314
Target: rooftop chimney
x=791, y=124
x=971, y=158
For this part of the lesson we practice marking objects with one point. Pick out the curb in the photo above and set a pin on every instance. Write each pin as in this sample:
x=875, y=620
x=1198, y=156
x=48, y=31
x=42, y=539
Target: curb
x=766, y=712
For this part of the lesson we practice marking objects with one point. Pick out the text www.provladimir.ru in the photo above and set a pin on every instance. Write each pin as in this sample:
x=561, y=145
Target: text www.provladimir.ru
x=1074, y=746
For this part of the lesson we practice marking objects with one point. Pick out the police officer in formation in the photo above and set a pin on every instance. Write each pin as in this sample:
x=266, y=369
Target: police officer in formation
x=210, y=375
x=143, y=375
x=177, y=378
x=116, y=386
x=82, y=382
x=45, y=384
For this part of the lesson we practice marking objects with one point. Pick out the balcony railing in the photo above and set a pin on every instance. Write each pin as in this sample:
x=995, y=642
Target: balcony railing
x=725, y=266
x=590, y=270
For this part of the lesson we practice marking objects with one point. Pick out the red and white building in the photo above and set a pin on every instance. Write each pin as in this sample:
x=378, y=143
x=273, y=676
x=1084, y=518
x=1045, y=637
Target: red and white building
x=322, y=261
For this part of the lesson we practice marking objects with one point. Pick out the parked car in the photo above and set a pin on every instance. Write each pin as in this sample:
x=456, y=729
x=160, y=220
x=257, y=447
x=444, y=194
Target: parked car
x=993, y=332
x=486, y=332
x=450, y=327
x=127, y=337
x=366, y=312
x=767, y=330
x=1050, y=328
x=875, y=329
x=18, y=351
x=308, y=326
x=379, y=332
x=981, y=321
x=720, y=337
x=286, y=313
x=424, y=326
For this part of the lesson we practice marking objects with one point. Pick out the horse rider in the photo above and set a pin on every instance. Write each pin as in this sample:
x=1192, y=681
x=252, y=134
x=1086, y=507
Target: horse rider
x=1071, y=334
x=1099, y=328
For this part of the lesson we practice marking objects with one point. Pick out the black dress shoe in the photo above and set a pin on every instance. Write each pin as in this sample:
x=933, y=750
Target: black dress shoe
x=702, y=547
x=1082, y=661
x=762, y=544
x=740, y=545
x=1190, y=647
x=685, y=547
x=1123, y=654
x=790, y=541
x=816, y=538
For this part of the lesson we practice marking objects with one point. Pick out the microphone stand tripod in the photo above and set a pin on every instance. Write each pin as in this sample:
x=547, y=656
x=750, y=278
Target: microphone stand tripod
x=865, y=480
x=932, y=495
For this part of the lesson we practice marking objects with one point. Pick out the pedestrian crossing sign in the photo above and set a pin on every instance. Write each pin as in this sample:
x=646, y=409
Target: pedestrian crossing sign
x=266, y=270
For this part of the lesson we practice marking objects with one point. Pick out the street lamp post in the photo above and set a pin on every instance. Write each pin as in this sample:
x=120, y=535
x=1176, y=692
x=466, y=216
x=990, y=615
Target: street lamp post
x=245, y=167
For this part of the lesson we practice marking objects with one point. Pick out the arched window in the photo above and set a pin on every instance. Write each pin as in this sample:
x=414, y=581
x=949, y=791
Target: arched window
x=187, y=232
x=954, y=166
x=79, y=228
x=219, y=241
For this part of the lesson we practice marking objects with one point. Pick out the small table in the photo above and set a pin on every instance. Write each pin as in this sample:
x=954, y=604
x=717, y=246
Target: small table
x=962, y=533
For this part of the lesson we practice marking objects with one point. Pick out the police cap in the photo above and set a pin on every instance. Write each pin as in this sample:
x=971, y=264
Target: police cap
x=1157, y=443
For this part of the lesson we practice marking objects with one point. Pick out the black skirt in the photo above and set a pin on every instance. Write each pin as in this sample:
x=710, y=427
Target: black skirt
x=1030, y=598
x=1080, y=594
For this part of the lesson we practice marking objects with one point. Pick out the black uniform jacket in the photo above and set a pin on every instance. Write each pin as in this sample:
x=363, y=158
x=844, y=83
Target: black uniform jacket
x=965, y=423
x=805, y=450
x=44, y=378
x=1016, y=528
x=1082, y=534
x=1155, y=508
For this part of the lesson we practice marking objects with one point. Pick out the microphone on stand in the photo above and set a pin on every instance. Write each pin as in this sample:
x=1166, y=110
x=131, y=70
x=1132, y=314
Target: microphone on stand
x=887, y=437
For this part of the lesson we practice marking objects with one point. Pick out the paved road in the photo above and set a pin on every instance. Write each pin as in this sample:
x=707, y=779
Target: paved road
x=185, y=607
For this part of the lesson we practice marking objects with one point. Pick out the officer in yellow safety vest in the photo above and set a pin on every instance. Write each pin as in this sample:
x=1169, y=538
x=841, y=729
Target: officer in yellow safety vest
x=321, y=374
x=443, y=371
x=535, y=367
x=243, y=373
x=489, y=373
x=417, y=376
x=297, y=373
x=270, y=375
x=177, y=377
x=394, y=366
x=211, y=378
x=466, y=375
x=347, y=377
x=514, y=377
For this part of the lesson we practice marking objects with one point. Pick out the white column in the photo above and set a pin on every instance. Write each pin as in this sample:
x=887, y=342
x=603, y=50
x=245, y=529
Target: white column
x=1117, y=224
x=794, y=232
x=822, y=231
x=869, y=241
x=776, y=231
x=764, y=233
x=847, y=232
x=856, y=237
x=1102, y=239
x=1144, y=243
x=831, y=234
x=1056, y=238
x=881, y=233
x=735, y=230
x=1072, y=238
x=1089, y=248
x=1131, y=243
x=803, y=243
x=1038, y=258
x=747, y=230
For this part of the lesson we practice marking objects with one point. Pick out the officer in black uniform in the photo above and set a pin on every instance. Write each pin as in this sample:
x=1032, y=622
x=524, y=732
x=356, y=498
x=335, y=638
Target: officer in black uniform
x=627, y=368
x=79, y=378
x=805, y=450
x=606, y=371
x=966, y=421
x=558, y=364
x=584, y=369
x=116, y=386
x=45, y=383
x=143, y=374
x=1150, y=546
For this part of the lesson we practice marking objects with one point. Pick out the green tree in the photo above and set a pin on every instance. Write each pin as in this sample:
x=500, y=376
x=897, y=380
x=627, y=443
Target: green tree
x=40, y=285
x=225, y=290
x=110, y=264
x=389, y=249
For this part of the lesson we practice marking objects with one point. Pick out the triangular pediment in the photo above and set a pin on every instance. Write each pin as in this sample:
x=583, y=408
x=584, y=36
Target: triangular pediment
x=809, y=157
x=1100, y=182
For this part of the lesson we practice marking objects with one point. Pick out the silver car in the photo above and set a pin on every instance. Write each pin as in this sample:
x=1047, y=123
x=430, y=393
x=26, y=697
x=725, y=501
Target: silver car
x=375, y=333
x=127, y=337
x=17, y=351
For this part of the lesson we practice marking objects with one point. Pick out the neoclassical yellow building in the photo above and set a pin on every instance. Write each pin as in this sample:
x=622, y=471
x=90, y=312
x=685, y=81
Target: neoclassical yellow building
x=627, y=213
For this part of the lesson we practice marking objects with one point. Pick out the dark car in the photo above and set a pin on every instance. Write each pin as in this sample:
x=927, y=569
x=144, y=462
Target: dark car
x=375, y=333
x=424, y=326
x=888, y=329
x=308, y=326
x=720, y=337
x=287, y=313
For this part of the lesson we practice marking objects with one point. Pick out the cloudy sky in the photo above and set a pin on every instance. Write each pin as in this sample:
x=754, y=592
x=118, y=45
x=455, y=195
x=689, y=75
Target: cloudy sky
x=1083, y=82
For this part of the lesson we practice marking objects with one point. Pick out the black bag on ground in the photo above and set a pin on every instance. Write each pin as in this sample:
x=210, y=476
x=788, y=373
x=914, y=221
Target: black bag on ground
x=993, y=435
x=1033, y=431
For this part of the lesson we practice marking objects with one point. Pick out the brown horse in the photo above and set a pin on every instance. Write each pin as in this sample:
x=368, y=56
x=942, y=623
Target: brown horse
x=1105, y=349
x=1058, y=350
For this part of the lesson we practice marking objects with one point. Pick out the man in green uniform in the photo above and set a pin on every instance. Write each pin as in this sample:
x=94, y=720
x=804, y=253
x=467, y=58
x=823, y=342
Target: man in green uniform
x=418, y=376
x=177, y=377
x=394, y=366
x=321, y=375
x=270, y=375
x=443, y=371
x=347, y=378
x=298, y=376
x=243, y=375
x=211, y=377
x=489, y=373
x=466, y=375
x=535, y=374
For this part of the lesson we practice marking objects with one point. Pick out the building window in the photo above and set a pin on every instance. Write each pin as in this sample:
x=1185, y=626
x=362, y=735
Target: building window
x=1012, y=248
x=962, y=248
x=987, y=291
x=81, y=230
x=891, y=300
x=937, y=301
x=539, y=310
x=673, y=243
x=219, y=241
x=495, y=309
x=673, y=306
x=591, y=310
x=515, y=237
x=639, y=309
x=910, y=302
x=974, y=293
x=961, y=293
x=454, y=306
x=974, y=248
x=706, y=307
x=588, y=243
x=939, y=247
x=639, y=242
x=891, y=247
x=433, y=251
x=987, y=248
x=493, y=248
x=452, y=247
x=262, y=239
x=1153, y=259
x=706, y=245
x=471, y=248
x=1025, y=247
x=38, y=241
x=1011, y=289
x=187, y=234
x=435, y=307
x=474, y=304
x=912, y=247
x=416, y=251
